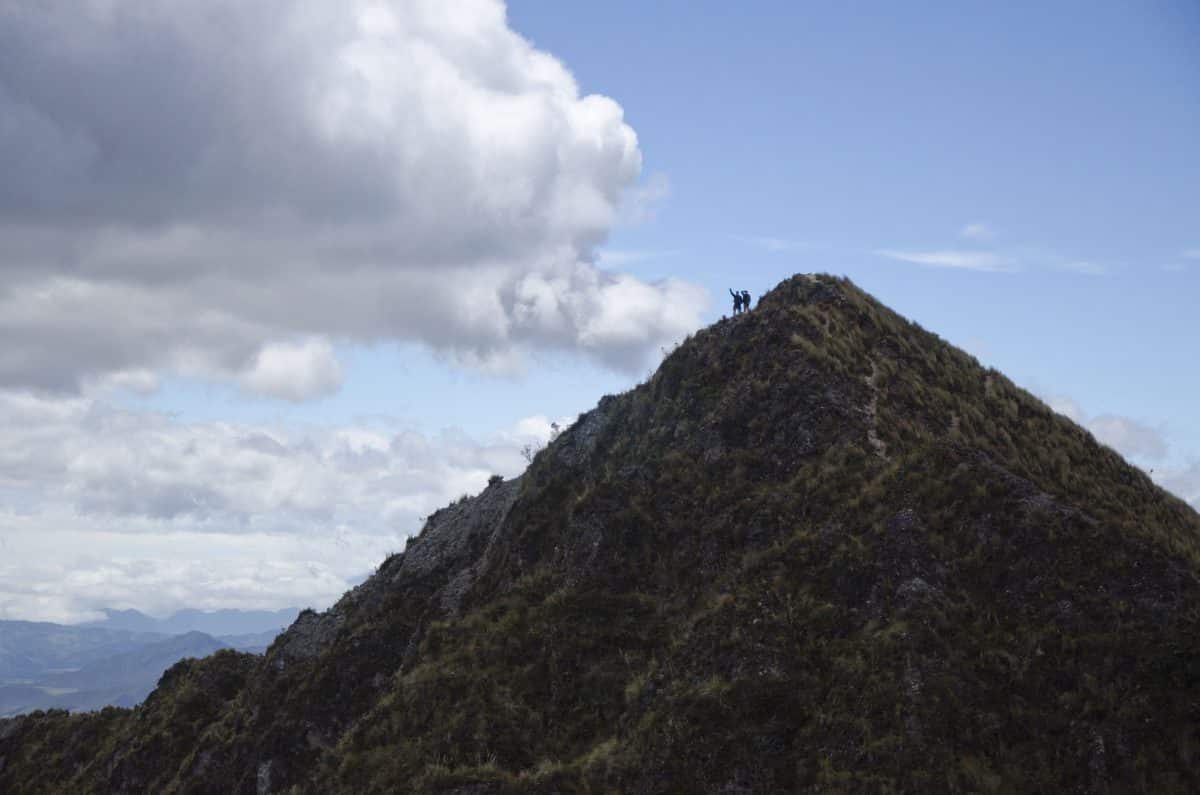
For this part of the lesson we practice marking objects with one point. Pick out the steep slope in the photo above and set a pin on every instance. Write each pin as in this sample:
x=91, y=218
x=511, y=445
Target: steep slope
x=819, y=550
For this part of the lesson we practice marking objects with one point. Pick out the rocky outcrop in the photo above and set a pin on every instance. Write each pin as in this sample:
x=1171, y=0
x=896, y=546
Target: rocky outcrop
x=454, y=532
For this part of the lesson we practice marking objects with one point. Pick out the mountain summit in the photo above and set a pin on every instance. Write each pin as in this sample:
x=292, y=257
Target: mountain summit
x=819, y=550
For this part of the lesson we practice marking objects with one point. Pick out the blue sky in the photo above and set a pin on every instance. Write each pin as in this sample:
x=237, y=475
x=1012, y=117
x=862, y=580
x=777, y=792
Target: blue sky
x=272, y=328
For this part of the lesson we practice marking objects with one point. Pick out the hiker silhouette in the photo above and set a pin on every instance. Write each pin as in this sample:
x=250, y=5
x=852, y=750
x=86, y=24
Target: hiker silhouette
x=737, y=302
x=745, y=300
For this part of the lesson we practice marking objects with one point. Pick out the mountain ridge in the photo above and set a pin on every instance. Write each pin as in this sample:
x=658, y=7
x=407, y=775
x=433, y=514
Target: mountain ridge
x=819, y=549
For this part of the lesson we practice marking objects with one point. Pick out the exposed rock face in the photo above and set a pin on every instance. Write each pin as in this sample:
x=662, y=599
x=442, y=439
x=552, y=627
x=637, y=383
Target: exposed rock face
x=820, y=550
x=307, y=637
x=447, y=546
x=453, y=533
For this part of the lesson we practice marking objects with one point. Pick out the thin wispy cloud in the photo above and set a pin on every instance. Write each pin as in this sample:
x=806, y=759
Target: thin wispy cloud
x=1041, y=258
x=1191, y=253
x=641, y=202
x=960, y=259
x=774, y=245
x=976, y=231
x=1183, y=481
x=981, y=256
x=1085, y=267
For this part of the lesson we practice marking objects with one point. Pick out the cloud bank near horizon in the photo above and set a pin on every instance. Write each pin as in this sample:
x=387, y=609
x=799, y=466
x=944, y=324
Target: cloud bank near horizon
x=219, y=188
x=103, y=507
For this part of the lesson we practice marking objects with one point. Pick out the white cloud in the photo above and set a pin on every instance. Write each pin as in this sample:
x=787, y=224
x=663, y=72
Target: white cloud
x=1130, y=437
x=990, y=258
x=106, y=507
x=643, y=201
x=774, y=245
x=539, y=429
x=976, y=231
x=1191, y=253
x=1183, y=481
x=361, y=171
x=159, y=574
x=1138, y=441
x=953, y=258
x=141, y=382
x=1127, y=436
x=1068, y=408
x=294, y=371
x=627, y=305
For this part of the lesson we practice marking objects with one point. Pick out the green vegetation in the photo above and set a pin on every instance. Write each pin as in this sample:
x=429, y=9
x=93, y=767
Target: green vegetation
x=819, y=550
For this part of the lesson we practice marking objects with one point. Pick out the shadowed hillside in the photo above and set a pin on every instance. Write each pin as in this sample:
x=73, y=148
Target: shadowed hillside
x=819, y=550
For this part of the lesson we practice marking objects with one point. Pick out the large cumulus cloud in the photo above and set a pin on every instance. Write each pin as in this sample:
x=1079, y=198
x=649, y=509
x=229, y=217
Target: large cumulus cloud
x=189, y=186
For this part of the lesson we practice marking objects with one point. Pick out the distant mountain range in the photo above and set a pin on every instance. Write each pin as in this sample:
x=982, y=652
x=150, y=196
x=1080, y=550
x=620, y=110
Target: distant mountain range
x=117, y=661
x=216, y=622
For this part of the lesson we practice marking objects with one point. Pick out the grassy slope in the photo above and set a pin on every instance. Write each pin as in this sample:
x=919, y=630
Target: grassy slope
x=994, y=603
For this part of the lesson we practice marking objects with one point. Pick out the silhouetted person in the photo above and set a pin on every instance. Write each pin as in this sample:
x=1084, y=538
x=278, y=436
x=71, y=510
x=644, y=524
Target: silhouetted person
x=745, y=300
x=737, y=302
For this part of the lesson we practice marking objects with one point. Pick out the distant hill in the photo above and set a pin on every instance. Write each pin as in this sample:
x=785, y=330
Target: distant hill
x=819, y=550
x=132, y=670
x=30, y=649
x=254, y=642
x=129, y=620
x=121, y=680
x=210, y=622
x=116, y=661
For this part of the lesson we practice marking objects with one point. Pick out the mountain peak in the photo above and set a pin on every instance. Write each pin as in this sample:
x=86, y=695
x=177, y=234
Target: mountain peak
x=818, y=549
